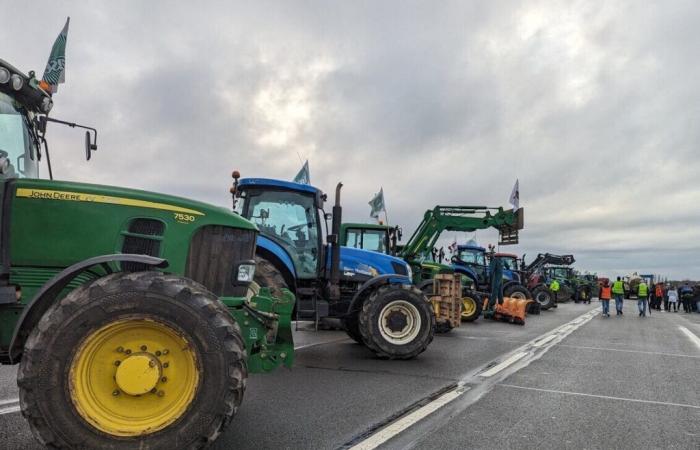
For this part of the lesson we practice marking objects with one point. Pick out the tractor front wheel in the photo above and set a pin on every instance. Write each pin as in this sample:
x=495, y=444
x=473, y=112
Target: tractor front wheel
x=543, y=296
x=472, y=305
x=396, y=322
x=133, y=360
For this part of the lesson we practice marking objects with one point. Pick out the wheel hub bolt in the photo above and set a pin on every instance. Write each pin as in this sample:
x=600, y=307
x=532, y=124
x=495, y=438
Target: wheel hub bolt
x=151, y=364
x=127, y=351
x=166, y=351
x=166, y=365
x=115, y=392
x=158, y=353
x=120, y=349
x=143, y=348
x=164, y=379
x=160, y=393
x=153, y=391
x=116, y=363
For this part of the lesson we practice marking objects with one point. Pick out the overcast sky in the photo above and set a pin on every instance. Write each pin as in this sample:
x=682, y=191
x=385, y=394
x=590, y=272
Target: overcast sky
x=594, y=106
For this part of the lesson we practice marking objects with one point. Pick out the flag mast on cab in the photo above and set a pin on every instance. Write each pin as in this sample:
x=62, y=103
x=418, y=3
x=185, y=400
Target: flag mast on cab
x=377, y=204
x=54, y=74
x=303, y=176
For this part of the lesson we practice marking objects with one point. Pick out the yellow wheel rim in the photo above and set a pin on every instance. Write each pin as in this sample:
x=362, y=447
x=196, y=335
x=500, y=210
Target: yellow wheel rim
x=133, y=377
x=468, y=307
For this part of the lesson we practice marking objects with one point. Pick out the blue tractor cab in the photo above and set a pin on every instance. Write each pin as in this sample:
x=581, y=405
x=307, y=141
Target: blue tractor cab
x=472, y=261
x=369, y=292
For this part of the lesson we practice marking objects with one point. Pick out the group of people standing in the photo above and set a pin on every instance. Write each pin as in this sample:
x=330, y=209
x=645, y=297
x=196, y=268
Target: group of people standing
x=648, y=297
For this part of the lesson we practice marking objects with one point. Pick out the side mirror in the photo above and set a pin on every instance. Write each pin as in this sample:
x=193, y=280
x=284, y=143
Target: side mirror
x=89, y=146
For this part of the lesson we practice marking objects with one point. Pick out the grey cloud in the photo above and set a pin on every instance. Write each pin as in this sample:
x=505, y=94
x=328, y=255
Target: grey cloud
x=592, y=105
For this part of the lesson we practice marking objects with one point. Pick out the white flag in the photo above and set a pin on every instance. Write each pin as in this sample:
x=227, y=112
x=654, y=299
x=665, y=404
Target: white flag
x=515, y=196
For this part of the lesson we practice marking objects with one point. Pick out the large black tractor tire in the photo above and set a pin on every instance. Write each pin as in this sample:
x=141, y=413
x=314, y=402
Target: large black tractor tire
x=472, y=304
x=267, y=275
x=352, y=327
x=542, y=295
x=396, y=322
x=521, y=292
x=70, y=388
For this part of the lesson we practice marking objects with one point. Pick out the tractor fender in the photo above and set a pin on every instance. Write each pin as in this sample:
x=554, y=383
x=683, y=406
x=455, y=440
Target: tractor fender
x=424, y=284
x=371, y=285
x=280, y=265
x=273, y=248
x=44, y=298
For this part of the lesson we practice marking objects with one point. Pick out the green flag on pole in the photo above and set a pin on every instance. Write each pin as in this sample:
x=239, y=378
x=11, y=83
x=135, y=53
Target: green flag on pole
x=303, y=177
x=377, y=204
x=54, y=73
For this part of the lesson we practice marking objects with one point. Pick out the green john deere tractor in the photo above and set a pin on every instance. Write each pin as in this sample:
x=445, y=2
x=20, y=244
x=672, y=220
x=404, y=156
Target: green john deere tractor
x=132, y=315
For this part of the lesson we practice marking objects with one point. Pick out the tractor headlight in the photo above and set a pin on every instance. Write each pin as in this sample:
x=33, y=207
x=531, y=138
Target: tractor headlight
x=410, y=272
x=46, y=104
x=16, y=82
x=245, y=272
x=4, y=75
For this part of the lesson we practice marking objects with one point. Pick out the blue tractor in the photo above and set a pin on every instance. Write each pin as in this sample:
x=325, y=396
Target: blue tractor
x=471, y=261
x=370, y=293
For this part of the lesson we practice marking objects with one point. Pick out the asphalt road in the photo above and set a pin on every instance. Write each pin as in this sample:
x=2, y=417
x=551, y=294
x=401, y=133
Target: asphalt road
x=567, y=379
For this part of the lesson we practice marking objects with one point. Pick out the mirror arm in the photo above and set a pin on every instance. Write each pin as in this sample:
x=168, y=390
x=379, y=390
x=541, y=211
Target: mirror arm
x=93, y=146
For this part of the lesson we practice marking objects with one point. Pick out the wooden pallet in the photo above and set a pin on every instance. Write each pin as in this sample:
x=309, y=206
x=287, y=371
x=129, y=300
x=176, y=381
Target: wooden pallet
x=447, y=299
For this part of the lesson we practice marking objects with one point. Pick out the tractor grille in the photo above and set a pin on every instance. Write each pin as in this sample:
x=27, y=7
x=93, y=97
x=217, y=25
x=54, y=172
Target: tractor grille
x=143, y=237
x=214, y=253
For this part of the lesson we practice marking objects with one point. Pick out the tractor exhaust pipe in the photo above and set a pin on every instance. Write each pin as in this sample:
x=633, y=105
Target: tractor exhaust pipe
x=334, y=240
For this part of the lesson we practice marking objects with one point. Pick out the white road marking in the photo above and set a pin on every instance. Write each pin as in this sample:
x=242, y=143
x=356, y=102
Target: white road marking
x=606, y=349
x=9, y=409
x=608, y=397
x=543, y=341
x=12, y=400
x=397, y=427
x=498, y=367
x=694, y=339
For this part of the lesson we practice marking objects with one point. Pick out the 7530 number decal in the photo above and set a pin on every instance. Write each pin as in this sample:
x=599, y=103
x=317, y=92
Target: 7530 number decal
x=184, y=218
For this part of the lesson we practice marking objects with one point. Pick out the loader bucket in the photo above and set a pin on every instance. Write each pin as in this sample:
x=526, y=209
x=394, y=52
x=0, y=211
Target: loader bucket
x=512, y=310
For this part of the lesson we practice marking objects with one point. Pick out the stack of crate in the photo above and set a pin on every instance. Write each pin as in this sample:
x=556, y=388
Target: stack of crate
x=447, y=298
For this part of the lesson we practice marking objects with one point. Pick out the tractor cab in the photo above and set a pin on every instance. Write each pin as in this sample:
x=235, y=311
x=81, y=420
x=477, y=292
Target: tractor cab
x=288, y=214
x=18, y=150
x=21, y=102
x=373, y=237
x=472, y=258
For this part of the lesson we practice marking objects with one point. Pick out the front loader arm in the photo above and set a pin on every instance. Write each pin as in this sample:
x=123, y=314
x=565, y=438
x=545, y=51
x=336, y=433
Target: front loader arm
x=465, y=219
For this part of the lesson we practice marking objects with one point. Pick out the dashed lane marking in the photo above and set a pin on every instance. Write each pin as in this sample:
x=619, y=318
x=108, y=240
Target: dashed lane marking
x=607, y=397
x=543, y=341
x=498, y=367
x=9, y=406
x=397, y=427
x=694, y=339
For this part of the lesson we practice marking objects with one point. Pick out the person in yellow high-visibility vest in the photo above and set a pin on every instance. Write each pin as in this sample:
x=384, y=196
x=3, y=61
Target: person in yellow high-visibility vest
x=554, y=287
x=642, y=296
x=618, y=291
